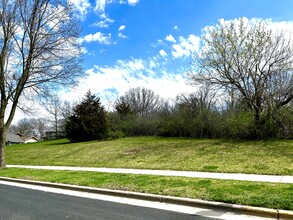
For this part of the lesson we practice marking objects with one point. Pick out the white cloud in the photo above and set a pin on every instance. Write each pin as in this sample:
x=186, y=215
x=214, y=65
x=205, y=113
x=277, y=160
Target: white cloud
x=100, y=7
x=133, y=65
x=130, y=2
x=84, y=50
x=122, y=36
x=99, y=37
x=178, y=51
x=162, y=53
x=121, y=28
x=126, y=74
x=104, y=23
x=158, y=43
x=133, y=2
x=170, y=38
x=82, y=7
x=186, y=47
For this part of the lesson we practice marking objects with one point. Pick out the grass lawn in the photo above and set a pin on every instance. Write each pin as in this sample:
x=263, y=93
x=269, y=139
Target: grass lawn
x=212, y=155
x=277, y=196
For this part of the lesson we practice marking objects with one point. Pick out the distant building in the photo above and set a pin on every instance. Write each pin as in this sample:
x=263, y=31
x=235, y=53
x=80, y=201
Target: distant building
x=19, y=139
x=13, y=139
x=52, y=135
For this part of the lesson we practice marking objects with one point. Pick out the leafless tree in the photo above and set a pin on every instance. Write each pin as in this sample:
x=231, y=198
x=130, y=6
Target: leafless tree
x=40, y=126
x=54, y=107
x=67, y=109
x=202, y=100
x=39, y=51
x=140, y=101
x=24, y=126
x=30, y=127
x=251, y=58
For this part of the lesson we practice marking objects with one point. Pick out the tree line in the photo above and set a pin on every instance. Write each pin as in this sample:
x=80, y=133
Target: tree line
x=202, y=114
x=140, y=112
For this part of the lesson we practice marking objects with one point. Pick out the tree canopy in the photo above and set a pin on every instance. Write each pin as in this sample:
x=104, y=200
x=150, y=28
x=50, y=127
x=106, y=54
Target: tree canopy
x=252, y=59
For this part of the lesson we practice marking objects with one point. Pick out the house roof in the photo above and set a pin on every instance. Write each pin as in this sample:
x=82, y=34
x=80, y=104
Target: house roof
x=13, y=138
x=25, y=138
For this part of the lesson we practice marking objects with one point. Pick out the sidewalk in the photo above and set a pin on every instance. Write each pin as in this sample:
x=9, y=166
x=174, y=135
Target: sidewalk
x=224, y=176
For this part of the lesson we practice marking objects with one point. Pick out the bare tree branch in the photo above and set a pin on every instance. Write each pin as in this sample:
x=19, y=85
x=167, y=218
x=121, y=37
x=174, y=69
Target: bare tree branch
x=39, y=52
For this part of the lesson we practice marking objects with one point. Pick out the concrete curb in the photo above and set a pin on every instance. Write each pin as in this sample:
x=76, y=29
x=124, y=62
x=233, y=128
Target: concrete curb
x=247, y=210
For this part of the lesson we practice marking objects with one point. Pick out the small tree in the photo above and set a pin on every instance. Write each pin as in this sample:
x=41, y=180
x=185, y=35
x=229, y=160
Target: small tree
x=54, y=107
x=88, y=121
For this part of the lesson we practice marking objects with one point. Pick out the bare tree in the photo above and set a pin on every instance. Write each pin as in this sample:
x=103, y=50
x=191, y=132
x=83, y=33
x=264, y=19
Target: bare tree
x=67, y=109
x=30, y=127
x=54, y=107
x=251, y=58
x=141, y=101
x=39, y=51
x=24, y=126
x=202, y=100
x=40, y=126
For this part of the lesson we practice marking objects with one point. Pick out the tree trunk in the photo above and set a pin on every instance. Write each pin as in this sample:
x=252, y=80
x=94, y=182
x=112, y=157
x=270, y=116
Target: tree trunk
x=3, y=134
x=258, y=124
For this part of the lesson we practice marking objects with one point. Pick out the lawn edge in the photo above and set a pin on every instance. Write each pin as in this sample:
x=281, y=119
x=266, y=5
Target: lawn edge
x=240, y=209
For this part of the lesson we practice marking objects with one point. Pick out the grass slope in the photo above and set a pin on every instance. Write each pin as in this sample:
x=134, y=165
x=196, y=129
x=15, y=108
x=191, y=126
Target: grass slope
x=212, y=155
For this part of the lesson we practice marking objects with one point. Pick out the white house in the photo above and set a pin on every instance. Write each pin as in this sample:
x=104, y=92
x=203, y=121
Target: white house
x=19, y=139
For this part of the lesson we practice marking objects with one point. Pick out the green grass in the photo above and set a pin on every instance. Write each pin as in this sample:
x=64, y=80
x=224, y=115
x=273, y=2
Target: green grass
x=212, y=155
x=277, y=196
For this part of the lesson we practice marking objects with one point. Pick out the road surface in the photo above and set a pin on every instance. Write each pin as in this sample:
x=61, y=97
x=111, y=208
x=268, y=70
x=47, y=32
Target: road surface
x=27, y=204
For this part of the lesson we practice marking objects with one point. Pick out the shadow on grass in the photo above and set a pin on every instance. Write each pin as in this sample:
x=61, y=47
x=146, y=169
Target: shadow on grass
x=59, y=142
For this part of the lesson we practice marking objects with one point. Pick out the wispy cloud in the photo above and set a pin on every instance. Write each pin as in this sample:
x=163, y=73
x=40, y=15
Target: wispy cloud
x=126, y=74
x=121, y=28
x=170, y=38
x=130, y=2
x=105, y=23
x=133, y=2
x=122, y=36
x=186, y=46
x=82, y=7
x=100, y=7
x=163, y=53
x=176, y=28
x=97, y=37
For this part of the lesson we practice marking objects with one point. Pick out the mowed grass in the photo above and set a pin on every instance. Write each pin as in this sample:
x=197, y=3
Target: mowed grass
x=277, y=196
x=212, y=155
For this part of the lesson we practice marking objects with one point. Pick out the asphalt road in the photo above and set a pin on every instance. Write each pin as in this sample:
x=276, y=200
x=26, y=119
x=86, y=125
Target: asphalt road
x=26, y=204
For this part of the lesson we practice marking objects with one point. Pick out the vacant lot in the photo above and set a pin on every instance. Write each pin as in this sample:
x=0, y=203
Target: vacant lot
x=213, y=155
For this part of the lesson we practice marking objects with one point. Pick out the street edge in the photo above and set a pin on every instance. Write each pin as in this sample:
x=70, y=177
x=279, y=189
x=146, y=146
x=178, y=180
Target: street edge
x=241, y=209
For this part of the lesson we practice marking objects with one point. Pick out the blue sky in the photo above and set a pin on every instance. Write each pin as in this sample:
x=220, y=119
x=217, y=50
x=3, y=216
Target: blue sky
x=149, y=43
x=147, y=21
